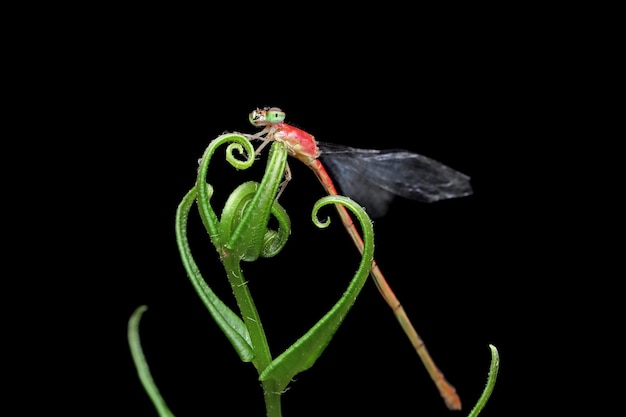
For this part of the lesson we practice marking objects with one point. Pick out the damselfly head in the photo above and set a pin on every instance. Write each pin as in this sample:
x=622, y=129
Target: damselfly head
x=266, y=116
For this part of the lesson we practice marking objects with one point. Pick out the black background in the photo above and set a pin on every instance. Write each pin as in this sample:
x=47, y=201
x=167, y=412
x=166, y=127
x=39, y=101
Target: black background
x=148, y=95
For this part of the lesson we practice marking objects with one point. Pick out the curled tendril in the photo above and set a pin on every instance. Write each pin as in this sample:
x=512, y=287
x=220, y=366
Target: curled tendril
x=242, y=146
x=274, y=240
x=234, y=160
x=316, y=220
x=237, y=144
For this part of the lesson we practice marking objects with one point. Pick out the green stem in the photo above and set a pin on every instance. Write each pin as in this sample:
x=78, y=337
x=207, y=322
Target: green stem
x=249, y=313
x=272, y=399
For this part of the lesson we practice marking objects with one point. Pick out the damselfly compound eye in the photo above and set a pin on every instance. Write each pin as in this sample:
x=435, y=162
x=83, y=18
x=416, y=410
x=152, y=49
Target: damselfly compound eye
x=258, y=117
x=275, y=115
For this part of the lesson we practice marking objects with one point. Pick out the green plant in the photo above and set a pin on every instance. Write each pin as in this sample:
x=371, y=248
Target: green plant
x=241, y=234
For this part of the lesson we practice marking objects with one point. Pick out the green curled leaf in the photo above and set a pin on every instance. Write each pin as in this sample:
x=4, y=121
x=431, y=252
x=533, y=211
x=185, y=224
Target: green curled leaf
x=275, y=240
x=265, y=243
x=304, y=352
x=317, y=222
x=241, y=151
x=232, y=215
x=237, y=144
x=246, y=238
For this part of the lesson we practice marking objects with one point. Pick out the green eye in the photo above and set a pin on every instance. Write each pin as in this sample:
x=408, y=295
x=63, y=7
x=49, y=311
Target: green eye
x=275, y=115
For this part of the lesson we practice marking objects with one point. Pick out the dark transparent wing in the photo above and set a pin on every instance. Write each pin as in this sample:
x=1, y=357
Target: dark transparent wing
x=373, y=177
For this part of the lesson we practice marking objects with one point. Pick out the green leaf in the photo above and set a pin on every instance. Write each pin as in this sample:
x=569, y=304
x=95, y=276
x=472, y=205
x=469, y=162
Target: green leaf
x=142, y=365
x=237, y=143
x=491, y=382
x=305, y=351
x=232, y=326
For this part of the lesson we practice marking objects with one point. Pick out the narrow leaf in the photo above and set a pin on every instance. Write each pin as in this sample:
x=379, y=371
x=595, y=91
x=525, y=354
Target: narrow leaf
x=142, y=365
x=304, y=352
x=491, y=382
x=232, y=326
